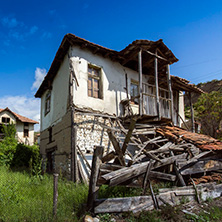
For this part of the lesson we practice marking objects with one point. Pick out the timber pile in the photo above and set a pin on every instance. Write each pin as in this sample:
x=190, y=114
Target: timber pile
x=142, y=153
x=164, y=153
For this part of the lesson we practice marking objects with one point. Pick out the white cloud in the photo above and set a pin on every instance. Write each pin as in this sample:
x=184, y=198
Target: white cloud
x=23, y=105
x=46, y=35
x=39, y=76
x=11, y=22
x=16, y=29
x=33, y=29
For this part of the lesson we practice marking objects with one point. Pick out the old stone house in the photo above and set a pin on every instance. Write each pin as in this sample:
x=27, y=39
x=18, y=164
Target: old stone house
x=24, y=126
x=88, y=86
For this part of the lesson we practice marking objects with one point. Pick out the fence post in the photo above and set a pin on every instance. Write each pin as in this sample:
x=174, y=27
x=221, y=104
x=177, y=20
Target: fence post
x=55, y=193
x=97, y=159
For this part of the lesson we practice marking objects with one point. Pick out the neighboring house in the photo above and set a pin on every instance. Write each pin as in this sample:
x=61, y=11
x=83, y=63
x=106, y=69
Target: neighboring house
x=24, y=126
x=88, y=85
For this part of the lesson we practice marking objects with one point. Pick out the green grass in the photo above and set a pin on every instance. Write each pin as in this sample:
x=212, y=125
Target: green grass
x=27, y=198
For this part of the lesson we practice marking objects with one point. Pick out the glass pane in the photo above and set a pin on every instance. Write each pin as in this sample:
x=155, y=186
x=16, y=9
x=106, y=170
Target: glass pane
x=96, y=84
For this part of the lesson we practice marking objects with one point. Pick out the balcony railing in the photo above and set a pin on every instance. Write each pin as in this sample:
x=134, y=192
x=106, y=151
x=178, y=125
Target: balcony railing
x=150, y=104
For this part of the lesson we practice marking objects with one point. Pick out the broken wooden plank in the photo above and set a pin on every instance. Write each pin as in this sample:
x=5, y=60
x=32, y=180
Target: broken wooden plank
x=123, y=204
x=155, y=203
x=97, y=156
x=168, y=195
x=110, y=156
x=129, y=134
x=116, y=147
x=179, y=176
x=137, y=172
x=146, y=176
x=83, y=156
x=143, y=146
x=111, y=166
x=201, y=167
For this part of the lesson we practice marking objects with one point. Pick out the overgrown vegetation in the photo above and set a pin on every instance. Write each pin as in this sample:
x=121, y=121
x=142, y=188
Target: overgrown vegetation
x=27, y=198
x=13, y=154
x=209, y=112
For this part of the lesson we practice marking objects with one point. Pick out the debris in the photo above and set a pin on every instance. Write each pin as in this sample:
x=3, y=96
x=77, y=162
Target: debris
x=145, y=152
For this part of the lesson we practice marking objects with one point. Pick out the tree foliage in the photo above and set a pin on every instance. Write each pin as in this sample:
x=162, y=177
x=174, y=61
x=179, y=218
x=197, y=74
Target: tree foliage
x=8, y=144
x=209, y=112
x=14, y=154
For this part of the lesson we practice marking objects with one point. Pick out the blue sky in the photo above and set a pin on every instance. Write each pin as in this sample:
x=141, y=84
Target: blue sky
x=31, y=31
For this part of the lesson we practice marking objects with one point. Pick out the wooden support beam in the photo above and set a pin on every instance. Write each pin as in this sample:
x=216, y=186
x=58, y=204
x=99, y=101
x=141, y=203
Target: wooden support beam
x=192, y=113
x=140, y=82
x=129, y=134
x=155, y=55
x=146, y=177
x=96, y=162
x=74, y=164
x=109, y=157
x=157, y=87
x=170, y=92
x=179, y=176
x=155, y=203
x=116, y=147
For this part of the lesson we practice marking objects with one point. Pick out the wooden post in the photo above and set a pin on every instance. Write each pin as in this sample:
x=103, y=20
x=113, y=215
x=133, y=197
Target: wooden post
x=55, y=193
x=179, y=176
x=117, y=148
x=157, y=86
x=129, y=134
x=170, y=92
x=140, y=82
x=192, y=114
x=147, y=176
x=74, y=164
x=96, y=162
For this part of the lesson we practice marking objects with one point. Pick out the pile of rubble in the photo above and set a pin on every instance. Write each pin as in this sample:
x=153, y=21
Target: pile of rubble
x=148, y=152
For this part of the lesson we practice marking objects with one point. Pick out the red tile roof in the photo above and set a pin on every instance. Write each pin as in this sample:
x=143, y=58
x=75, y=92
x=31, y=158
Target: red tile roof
x=122, y=57
x=200, y=140
x=19, y=117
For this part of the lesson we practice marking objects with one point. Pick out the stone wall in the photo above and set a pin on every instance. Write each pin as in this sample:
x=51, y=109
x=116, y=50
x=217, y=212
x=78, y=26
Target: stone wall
x=91, y=132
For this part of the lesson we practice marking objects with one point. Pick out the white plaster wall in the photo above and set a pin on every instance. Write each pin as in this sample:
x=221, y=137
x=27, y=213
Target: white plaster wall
x=59, y=97
x=8, y=115
x=31, y=134
x=20, y=132
x=113, y=78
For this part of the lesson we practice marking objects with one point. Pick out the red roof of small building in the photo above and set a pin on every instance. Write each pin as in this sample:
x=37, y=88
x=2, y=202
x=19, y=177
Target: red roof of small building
x=19, y=117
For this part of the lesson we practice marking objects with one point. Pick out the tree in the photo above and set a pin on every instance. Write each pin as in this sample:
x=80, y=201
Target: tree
x=209, y=112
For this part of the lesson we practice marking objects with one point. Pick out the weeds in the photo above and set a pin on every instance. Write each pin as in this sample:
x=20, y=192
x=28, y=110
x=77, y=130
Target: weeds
x=27, y=198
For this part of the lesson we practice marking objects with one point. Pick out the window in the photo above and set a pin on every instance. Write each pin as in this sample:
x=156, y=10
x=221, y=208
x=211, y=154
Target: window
x=26, y=133
x=134, y=91
x=5, y=120
x=47, y=102
x=26, y=129
x=94, y=82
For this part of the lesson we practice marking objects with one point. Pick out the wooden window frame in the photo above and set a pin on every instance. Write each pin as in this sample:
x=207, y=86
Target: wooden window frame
x=26, y=132
x=47, y=102
x=7, y=120
x=136, y=83
x=93, y=91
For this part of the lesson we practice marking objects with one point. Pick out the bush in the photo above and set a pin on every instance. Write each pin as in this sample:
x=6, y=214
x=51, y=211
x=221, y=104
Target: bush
x=13, y=154
x=8, y=145
x=24, y=155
